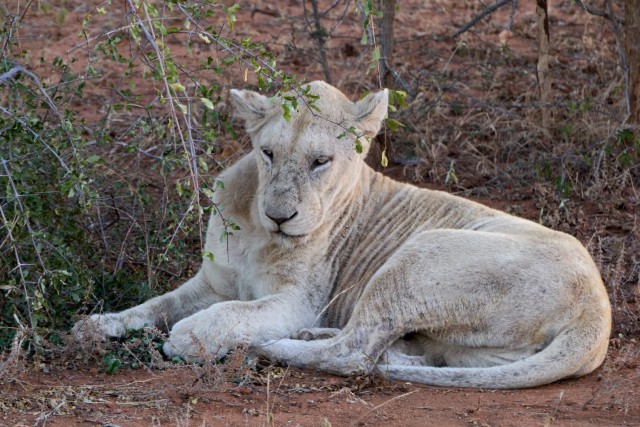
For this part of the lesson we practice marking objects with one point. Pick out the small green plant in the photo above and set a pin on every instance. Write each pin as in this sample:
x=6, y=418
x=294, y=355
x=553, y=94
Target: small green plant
x=451, y=177
x=625, y=148
x=111, y=363
x=140, y=348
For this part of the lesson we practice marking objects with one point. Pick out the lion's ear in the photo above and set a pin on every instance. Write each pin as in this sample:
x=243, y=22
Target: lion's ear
x=371, y=111
x=252, y=107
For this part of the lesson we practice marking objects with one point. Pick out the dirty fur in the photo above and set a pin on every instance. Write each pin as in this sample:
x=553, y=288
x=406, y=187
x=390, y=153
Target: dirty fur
x=341, y=269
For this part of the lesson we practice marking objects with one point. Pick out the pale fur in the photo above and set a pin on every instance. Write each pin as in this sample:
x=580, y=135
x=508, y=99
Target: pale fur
x=371, y=273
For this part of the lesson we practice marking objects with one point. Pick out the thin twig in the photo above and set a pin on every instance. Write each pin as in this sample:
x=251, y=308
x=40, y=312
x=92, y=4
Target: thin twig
x=187, y=143
x=229, y=46
x=487, y=11
x=624, y=64
x=320, y=37
x=396, y=77
x=37, y=137
x=14, y=22
x=339, y=20
x=597, y=12
x=391, y=400
x=514, y=7
x=18, y=69
x=44, y=416
x=10, y=75
x=370, y=36
x=19, y=263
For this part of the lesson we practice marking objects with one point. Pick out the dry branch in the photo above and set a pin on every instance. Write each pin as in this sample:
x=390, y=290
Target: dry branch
x=17, y=69
x=486, y=12
x=597, y=12
x=632, y=53
x=386, y=40
x=542, y=69
x=320, y=36
x=624, y=63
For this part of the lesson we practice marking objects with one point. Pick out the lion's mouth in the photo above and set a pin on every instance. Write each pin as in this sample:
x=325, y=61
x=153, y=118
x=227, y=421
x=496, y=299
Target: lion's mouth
x=285, y=235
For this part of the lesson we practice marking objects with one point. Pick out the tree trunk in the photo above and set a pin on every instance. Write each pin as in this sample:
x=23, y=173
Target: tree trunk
x=320, y=36
x=387, y=41
x=632, y=52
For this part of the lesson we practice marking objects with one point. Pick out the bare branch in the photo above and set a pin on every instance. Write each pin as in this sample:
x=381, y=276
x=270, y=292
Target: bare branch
x=319, y=35
x=37, y=137
x=597, y=12
x=514, y=7
x=396, y=77
x=624, y=64
x=370, y=35
x=18, y=69
x=488, y=11
x=542, y=67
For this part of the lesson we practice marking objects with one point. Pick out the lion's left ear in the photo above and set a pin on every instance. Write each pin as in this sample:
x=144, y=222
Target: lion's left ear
x=252, y=107
x=371, y=111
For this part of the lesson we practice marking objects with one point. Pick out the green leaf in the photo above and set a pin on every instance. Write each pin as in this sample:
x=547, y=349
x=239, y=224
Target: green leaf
x=287, y=108
x=112, y=363
x=182, y=107
x=358, y=146
x=364, y=40
x=207, y=103
x=376, y=53
x=203, y=164
x=177, y=86
x=230, y=16
x=393, y=124
x=204, y=38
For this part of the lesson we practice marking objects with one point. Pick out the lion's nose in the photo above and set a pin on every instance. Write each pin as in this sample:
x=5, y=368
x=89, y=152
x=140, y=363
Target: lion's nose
x=281, y=221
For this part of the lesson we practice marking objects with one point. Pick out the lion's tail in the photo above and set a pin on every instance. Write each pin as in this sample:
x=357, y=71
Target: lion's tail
x=573, y=353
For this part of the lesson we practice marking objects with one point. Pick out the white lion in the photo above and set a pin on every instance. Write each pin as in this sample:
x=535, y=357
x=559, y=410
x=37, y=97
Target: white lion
x=341, y=269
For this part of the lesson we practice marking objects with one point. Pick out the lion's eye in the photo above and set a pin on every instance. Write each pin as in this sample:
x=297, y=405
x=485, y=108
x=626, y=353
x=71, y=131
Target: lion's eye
x=267, y=153
x=320, y=161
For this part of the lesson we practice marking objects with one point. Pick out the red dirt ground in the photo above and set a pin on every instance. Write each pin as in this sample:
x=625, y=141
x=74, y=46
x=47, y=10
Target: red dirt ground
x=78, y=394
x=188, y=396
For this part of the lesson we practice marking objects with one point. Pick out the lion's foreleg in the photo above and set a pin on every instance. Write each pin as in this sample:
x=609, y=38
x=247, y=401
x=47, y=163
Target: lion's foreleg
x=229, y=324
x=162, y=311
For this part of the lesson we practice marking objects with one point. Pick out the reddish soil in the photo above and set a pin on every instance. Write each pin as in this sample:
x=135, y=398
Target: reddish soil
x=494, y=166
x=277, y=396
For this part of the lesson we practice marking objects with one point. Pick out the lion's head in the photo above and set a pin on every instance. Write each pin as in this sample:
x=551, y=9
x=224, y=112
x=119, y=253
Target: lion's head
x=306, y=164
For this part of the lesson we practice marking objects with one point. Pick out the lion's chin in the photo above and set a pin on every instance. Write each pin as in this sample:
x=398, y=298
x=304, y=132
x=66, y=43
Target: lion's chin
x=288, y=240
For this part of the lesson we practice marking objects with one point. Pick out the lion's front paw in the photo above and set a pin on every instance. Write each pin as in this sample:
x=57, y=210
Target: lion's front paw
x=99, y=326
x=191, y=340
x=186, y=347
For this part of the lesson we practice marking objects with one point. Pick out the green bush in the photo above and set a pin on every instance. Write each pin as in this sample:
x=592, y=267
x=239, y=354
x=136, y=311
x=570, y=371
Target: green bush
x=78, y=230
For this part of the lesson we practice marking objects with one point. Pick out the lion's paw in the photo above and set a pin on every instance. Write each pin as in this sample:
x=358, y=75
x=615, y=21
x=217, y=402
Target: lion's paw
x=99, y=326
x=185, y=347
x=312, y=334
x=191, y=340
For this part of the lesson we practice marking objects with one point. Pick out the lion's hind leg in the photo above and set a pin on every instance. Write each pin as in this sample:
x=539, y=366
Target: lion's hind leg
x=356, y=348
x=397, y=357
